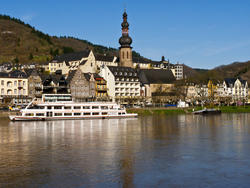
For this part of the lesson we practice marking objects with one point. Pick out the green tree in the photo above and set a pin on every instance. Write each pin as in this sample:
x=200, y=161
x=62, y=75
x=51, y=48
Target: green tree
x=67, y=50
x=31, y=56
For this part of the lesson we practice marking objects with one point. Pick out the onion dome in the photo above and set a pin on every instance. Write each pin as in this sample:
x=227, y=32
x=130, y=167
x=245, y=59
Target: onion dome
x=125, y=41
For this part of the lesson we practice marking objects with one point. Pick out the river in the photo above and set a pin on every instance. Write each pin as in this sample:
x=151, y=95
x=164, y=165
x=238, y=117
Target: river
x=150, y=151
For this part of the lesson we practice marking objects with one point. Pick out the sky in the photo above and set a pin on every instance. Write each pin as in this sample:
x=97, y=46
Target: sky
x=198, y=33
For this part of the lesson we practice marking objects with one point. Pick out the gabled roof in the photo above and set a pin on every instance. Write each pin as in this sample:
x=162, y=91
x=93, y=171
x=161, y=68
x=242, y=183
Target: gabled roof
x=156, y=76
x=123, y=72
x=3, y=75
x=13, y=74
x=70, y=75
x=104, y=58
x=230, y=81
x=30, y=72
x=88, y=76
x=83, y=62
x=76, y=56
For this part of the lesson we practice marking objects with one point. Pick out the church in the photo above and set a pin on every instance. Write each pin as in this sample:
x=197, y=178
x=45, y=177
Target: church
x=124, y=82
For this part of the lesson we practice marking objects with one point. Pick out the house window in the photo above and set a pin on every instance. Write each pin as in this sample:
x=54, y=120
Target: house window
x=9, y=92
x=15, y=91
x=2, y=82
x=77, y=107
x=2, y=91
x=9, y=84
x=67, y=114
x=24, y=83
x=24, y=91
x=15, y=83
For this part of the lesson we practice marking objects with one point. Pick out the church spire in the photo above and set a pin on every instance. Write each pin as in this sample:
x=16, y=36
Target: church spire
x=125, y=39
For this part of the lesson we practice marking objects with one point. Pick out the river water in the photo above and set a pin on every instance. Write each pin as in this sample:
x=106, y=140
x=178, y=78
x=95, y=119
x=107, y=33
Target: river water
x=150, y=151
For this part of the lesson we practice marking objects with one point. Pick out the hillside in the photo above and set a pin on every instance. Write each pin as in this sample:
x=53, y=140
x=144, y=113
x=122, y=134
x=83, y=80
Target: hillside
x=22, y=43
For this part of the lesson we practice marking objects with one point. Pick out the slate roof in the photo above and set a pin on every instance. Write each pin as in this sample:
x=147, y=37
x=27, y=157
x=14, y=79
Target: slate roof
x=72, y=56
x=46, y=79
x=230, y=81
x=14, y=74
x=156, y=76
x=70, y=75
x=83, y=62
x=30, y=71
x=104, y=58
x=123, y=72
x=88, y=75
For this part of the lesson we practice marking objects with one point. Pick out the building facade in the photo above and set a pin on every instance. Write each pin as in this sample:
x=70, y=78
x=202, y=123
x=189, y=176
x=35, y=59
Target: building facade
x=122, y=82
x=81, y=87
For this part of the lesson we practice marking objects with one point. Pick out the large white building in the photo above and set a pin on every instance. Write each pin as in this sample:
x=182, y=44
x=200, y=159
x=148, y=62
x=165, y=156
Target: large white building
x=236, y=88
x=122, y=82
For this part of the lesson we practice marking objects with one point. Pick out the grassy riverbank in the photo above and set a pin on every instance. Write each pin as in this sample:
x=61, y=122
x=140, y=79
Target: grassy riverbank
x=173, y=111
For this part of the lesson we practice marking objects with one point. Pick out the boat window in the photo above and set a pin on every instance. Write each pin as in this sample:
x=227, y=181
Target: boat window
x=104, y=107
x=104, y=113
x=39, y=114
x=57, y=114
x=49, y=107
x=57, y=107
x=95, y=107
x=77, y=107
x=86, y=114
x=67, y=107
x=67, y=114
x=95, y=113
x=119, y=113
x=29, y=114
x=77, y=114
x=123, y=112
x=86, y=107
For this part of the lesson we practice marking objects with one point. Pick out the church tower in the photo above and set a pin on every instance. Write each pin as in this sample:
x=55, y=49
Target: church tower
x=125, y=51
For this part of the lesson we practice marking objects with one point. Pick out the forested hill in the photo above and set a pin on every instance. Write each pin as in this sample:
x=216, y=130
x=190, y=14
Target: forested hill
x=22, y=43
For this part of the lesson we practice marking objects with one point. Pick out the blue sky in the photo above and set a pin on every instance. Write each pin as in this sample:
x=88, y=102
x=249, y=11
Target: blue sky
x=198, y=33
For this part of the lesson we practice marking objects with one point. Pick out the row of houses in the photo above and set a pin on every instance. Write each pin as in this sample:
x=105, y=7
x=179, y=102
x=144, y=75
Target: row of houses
x=107, y=81
x=230, y=90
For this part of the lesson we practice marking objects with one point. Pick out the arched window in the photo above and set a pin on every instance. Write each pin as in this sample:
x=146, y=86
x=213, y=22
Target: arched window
x=9, y=92
x=9, y=84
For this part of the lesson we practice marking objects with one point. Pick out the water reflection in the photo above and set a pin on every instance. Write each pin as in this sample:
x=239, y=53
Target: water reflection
x=149, y=151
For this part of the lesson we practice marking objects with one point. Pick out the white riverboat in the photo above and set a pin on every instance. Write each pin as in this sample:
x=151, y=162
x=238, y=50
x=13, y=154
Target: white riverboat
x=61, y=107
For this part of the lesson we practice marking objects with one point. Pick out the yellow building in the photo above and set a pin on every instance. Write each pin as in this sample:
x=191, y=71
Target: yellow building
x=212, y=89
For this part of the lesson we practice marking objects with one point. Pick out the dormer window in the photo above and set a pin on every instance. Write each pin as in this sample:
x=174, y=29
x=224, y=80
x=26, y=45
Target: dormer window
x=130, y=74
x=125, y=73
x=120, y=73
x=135, y=74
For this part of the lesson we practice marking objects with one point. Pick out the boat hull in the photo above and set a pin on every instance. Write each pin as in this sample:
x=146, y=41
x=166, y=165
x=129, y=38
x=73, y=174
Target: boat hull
x=207, y=111
x=23, y=118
